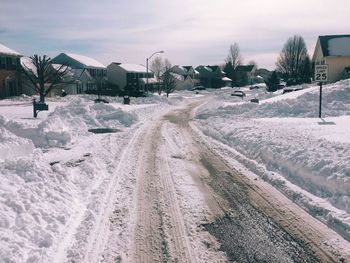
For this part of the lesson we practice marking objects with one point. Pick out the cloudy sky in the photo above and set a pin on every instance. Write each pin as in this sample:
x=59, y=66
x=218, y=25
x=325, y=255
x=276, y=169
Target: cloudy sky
x=191, y=32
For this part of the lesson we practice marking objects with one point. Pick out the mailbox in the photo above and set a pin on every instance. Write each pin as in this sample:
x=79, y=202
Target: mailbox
x=39, y=106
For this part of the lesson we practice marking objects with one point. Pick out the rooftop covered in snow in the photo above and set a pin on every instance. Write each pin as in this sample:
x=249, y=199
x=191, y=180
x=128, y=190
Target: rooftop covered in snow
x=136, y=68
x=83, y=61
x=8, y=51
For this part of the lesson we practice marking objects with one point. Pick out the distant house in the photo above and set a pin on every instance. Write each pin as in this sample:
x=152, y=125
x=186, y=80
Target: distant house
x=89, y=74
x=333, y=50
x=186, y=77
x=10, y=81
x=244, y=75
x=131, y=79
x=83, y=82
x=212, y=77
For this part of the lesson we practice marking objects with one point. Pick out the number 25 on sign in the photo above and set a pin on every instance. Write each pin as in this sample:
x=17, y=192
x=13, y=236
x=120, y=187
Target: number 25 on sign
x=321, y=73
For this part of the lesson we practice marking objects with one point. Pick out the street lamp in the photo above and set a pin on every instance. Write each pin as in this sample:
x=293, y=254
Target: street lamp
x=147, y=67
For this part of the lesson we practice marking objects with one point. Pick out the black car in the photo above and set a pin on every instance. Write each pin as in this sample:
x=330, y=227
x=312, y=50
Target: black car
x=198, y=88
x=254, y=87
x=238, y=93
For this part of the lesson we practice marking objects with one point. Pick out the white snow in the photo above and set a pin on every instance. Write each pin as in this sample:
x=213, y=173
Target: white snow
x=54, y=173
x=87, y=61
x=283, y=135
x=28, y=64
x=57, y=178
x=8, y=51
x=339, y=46
x=149, y=80
x=134, y=68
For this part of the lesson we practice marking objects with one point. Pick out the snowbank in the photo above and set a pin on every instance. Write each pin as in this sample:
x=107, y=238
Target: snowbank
x=71, y=121
x=12, y=146
x=46, y=192
x=336, y=102
x=309, y=152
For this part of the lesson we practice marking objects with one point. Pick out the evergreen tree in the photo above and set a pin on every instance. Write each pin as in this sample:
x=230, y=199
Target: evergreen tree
x=229, y=70
x=306, y=73
x=273, y=82
x=169, y=81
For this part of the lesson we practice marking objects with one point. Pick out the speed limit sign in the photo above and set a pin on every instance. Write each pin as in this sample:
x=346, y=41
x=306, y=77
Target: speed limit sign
x=321, y=73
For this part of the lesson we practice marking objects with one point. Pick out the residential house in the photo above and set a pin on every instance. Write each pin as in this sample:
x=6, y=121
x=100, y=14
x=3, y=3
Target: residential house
x=186, y=77
x=212, y=77
x=333, y=50
x=244, y=75
x=131, y=79
x=10, y=81
x=90, y=76
x=81, y=82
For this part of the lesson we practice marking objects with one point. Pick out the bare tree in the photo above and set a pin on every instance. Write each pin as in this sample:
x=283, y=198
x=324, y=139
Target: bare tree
x=44, y=76
x=292, y=58
x=167, y=65
x=234, y=55
x=157, y=66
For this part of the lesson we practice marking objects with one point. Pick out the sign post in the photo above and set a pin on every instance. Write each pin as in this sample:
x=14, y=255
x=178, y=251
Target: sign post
x=321, y=75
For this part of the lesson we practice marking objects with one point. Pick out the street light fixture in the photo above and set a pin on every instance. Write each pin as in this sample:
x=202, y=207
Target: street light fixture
x=157, y=52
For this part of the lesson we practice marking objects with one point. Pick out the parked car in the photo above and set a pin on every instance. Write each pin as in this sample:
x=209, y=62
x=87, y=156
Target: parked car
x=238, y=93
x=291, y=89
x=254, y=87
x=198, y=88
x=281, y=86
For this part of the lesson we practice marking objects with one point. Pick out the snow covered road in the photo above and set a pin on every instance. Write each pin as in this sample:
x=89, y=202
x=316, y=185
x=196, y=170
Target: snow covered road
x=174, y=183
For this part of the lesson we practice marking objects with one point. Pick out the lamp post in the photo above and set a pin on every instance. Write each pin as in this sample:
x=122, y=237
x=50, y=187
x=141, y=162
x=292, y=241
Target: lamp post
x=147, y=67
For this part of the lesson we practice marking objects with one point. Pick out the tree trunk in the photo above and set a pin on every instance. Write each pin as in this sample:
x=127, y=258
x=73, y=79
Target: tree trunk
x=42, y=97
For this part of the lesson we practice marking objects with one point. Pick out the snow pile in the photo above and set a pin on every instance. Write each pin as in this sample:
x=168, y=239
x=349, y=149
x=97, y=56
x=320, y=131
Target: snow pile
x=44, y=192
x=41, y=199
x=81, y=116
x=71, y=121
x=336, y=102
x=309, y=152
x=12, y=146
x=35, y=203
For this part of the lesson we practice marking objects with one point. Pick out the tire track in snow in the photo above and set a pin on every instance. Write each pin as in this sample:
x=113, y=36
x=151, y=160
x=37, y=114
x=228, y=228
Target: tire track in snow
x=160, y=232
x=99, y=236
x=85, y=238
